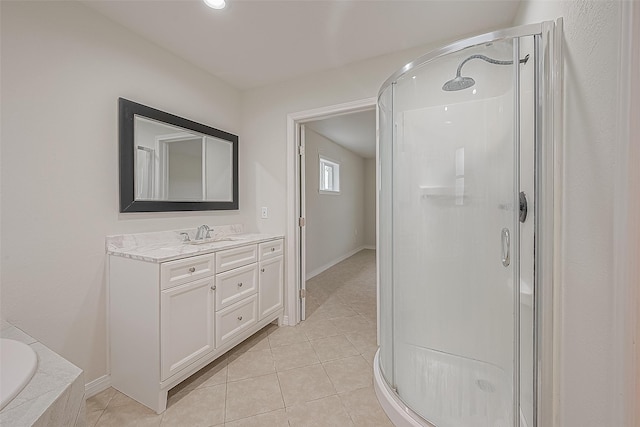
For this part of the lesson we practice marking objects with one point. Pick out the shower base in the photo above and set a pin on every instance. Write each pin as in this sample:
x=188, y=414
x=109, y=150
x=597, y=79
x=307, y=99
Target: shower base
x=399, y=414
x=482, y=402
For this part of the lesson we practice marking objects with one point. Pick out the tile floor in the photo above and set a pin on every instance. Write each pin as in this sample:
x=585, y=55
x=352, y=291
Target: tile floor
x=317, y=374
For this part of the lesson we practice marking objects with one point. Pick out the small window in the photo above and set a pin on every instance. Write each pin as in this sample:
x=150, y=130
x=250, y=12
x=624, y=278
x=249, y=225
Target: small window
x=329, y=176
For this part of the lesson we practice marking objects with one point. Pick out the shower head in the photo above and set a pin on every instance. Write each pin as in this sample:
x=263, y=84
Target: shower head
x=459, y=82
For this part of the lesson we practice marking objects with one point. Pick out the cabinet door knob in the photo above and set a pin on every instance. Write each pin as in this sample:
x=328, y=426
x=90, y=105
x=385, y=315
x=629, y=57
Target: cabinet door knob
x=240, y=284
x=213, y=288
x=239, y=317
x=262, y=269
x=192, y=269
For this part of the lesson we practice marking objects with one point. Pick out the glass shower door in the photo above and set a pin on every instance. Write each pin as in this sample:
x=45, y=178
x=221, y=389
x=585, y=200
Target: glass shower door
x=455, y=237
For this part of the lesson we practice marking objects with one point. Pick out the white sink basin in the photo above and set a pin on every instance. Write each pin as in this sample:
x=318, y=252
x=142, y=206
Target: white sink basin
x=18, y=363
x=215, y=240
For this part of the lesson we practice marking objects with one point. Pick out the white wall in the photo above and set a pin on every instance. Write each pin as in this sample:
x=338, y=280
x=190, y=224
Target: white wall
x=334, y=222
x=264, y=121
x=587, y=371
x=370, y=202
x=63, y=69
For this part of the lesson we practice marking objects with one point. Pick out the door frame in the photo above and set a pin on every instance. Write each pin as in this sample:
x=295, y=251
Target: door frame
x=294, y=249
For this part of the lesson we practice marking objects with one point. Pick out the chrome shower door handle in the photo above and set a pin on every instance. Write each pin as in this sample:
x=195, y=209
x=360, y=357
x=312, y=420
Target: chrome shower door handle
x=506, y=247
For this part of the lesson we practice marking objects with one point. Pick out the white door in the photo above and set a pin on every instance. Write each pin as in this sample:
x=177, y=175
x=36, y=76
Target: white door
x=186, y=324
x=301, y=226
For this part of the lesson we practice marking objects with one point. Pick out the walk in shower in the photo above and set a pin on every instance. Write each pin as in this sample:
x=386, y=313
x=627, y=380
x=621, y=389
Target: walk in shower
x=466, y=232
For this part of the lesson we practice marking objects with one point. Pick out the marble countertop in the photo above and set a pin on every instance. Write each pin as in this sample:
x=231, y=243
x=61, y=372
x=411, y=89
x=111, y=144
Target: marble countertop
x=168, y=245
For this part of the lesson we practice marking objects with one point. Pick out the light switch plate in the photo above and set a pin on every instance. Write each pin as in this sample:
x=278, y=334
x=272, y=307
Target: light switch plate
x=265, y=212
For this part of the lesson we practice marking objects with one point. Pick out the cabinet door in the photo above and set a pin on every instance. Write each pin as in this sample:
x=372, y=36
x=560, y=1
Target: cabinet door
x=270, y=286
x=186, y=324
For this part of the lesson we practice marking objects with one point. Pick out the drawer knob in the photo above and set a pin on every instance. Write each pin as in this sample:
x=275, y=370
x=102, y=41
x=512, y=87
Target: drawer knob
x=239, y=317
x=240, y=284
x=192, y=269
x=262, y=269
x=273, y=249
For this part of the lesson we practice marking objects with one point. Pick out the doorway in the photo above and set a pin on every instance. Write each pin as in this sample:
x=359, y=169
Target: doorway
x=296, y=224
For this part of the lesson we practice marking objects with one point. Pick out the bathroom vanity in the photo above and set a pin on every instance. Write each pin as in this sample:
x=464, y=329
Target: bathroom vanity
x=174, y=307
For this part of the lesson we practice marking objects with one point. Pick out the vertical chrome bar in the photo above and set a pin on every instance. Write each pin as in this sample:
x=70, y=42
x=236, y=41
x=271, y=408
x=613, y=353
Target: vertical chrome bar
x=547, y=211
x=516, y=233
x=536, y=217
x=394, y=135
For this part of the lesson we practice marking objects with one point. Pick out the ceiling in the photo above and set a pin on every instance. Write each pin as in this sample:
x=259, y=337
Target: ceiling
x=355, y=131
x=253, y=43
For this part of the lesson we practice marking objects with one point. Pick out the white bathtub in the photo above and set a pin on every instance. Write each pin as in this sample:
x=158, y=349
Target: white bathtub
x=18, y=363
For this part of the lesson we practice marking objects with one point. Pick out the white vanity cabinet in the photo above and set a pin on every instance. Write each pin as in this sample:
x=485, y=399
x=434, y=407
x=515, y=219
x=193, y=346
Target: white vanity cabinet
x=168, y=319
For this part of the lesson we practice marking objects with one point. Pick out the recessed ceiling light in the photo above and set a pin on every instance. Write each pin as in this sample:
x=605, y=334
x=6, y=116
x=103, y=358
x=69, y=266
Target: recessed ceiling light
x=215, y=4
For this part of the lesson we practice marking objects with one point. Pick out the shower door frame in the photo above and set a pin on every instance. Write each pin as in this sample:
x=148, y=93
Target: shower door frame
x=547, y=165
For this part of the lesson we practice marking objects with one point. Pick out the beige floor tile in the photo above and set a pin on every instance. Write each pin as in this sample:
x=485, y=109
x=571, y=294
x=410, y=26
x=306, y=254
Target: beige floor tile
x=336, y=309
x=325, y=412
x=335, y=347
x=131, y=414
x=286, y=335
x=258, y=341
x=314, y=316
x=250, y=364
x=119, y=399
x=271, y=419
x=253, y=396
x=93, y=417
x=366, y=310
x=100, y=400
x=369, y=356
x=213, y=374
x=352, y=324
x=319, y=328
x=363, y=341
x=305, y=384
x=349, y=373
x=294, y=356
x=362, y=304
x=364, y=409
x=202, y=407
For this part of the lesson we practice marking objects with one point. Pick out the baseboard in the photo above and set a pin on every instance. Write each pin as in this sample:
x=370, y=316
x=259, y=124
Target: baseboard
x=370, y=247
x=96, y=386
x=330, y=264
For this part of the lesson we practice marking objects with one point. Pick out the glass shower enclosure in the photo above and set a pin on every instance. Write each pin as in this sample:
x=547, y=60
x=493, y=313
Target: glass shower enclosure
x=464, y=207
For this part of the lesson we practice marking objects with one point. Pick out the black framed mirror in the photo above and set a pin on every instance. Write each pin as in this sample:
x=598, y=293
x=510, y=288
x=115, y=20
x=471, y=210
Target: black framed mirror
x=169, y=163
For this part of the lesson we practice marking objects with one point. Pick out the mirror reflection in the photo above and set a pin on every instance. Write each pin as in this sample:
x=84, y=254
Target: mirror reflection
x=169, y=163
x=177, y=164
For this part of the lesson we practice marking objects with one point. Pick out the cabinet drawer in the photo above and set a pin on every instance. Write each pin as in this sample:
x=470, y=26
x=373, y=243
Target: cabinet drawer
x=270, y=249
x=234, y=258
x=234, y=319
x=181, y=271
x=233, y=285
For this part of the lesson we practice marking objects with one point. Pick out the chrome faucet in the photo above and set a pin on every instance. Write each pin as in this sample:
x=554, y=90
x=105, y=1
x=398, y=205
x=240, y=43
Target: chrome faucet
x=203, y=232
